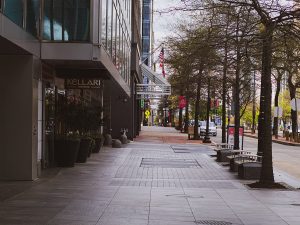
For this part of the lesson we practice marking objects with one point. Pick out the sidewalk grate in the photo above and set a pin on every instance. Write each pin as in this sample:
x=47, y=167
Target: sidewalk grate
x=213, y=222
x=169, y=163
x=192, y=149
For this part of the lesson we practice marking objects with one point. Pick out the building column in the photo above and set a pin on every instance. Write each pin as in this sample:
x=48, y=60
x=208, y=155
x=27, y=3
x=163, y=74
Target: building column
x=19, y=117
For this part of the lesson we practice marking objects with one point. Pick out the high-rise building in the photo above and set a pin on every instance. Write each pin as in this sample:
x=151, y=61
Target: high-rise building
x=48, y=50
x=146, y=31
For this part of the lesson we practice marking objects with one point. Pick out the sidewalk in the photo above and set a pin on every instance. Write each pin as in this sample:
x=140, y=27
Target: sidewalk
x=150, y=182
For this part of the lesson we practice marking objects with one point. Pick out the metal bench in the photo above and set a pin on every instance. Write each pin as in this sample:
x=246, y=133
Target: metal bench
x=223, y=150
x=247, y=164
x=238, y=157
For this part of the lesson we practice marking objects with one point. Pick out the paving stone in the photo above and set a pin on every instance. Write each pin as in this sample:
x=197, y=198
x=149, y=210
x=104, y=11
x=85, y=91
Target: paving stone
x=171, y=188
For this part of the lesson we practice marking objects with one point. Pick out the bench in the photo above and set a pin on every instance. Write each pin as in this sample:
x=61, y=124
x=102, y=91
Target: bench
x=223, y=150
x=247, y=164
x=239, y=156
x=223, y=146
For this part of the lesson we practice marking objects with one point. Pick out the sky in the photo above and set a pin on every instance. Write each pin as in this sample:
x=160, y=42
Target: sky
x=163, y=22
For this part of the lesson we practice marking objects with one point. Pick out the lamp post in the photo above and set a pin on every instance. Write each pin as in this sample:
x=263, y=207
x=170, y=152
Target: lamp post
x=207, y=138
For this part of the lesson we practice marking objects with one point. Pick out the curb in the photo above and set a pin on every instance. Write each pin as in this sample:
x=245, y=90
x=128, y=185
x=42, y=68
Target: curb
x=276, y=141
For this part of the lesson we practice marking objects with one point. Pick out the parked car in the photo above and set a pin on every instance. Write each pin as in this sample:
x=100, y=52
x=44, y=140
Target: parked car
x=212, y=128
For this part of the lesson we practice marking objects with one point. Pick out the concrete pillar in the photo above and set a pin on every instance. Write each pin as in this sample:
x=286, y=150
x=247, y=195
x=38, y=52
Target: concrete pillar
x=122, y=112
x=18, y=117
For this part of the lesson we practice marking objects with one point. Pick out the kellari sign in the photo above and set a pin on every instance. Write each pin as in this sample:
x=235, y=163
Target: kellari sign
x=74, y=83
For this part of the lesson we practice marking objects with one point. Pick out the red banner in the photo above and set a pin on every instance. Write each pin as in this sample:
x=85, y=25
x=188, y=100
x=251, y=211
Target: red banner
x=182, y=102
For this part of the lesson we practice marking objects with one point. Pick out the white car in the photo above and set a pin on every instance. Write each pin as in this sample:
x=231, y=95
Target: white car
x=289, y=128
x=202, y=128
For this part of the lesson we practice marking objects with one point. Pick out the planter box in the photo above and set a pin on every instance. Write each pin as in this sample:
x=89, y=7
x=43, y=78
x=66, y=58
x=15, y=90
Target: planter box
x=65, y=151
x=84, y=149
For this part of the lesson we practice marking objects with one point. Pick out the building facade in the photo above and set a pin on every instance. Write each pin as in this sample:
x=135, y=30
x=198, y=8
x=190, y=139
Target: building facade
x=146, y=31
x=43, y=44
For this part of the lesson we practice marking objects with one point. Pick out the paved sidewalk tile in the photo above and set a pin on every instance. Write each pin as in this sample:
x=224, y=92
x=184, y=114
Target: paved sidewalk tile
x=115, y=187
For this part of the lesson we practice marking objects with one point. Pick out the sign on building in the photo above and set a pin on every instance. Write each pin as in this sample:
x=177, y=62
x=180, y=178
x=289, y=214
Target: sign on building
x=82, y=83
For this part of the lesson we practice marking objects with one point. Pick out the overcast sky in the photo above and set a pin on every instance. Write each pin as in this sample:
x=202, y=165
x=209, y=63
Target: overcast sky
x=163, y=22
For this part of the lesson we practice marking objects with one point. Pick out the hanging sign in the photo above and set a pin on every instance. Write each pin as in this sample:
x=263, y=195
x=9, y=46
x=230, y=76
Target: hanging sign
x=142, y=103
x=182, y=102
x=84, y=83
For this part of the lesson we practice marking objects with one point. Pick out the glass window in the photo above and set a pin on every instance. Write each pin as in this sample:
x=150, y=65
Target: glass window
x=76, y=21
x=114, y=34
x=109, y=26
x=104, y=25
x=118, y=43
x=53, y=20
x=66, y=20
x=32, y=17
x=14, y=11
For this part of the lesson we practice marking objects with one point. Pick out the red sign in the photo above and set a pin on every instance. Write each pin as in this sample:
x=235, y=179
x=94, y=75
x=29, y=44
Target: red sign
x=231, y=131
x=182, y=102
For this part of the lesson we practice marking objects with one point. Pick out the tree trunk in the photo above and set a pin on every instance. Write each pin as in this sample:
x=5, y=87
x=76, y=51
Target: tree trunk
x=237, y=96
x=180, y=119
x=197, y=109
x=265, y=131
x=254, y=105
x=224, y=93
x=275, y=123
x=186, y=118
x=294, y=118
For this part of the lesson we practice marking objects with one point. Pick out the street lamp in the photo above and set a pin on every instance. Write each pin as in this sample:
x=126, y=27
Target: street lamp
x=207, y=138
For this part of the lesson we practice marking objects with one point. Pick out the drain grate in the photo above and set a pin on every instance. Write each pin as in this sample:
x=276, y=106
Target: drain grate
x=213, y=222
x=190, y=149
x=169, y=163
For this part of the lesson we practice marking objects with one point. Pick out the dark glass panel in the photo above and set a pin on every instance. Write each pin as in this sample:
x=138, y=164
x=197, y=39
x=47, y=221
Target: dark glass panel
x=32, y=17
x=14, y=10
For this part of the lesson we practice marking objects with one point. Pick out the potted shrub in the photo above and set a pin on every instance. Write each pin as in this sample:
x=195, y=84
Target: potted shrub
x=84, y=149
x=66, y=150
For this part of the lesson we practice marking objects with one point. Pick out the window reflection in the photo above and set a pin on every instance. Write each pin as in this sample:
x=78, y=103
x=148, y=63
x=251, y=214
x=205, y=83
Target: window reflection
x=116, y=24
x=14, y=11
x=66, y=20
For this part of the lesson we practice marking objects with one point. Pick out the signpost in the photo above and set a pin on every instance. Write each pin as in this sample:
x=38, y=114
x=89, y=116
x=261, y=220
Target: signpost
x=230, y=135
x=147, y=114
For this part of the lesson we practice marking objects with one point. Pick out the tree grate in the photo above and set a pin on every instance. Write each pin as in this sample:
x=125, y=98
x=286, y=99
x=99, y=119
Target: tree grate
x=169, y=163
x=213, y=222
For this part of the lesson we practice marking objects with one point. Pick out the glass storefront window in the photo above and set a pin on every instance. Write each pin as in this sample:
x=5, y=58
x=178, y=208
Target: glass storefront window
x=66, y=20
x=14, y=10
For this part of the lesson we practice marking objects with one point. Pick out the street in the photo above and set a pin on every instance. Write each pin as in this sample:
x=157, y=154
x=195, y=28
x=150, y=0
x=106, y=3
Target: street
x=285, y=158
